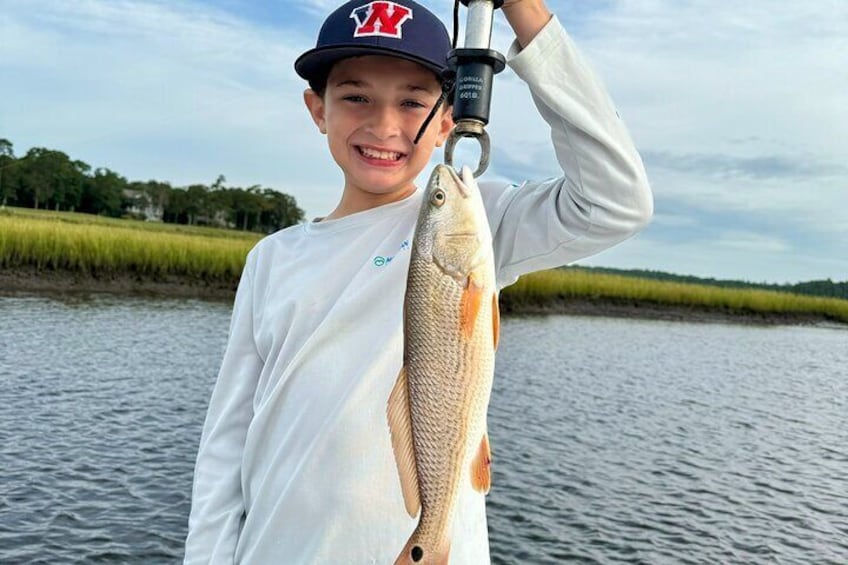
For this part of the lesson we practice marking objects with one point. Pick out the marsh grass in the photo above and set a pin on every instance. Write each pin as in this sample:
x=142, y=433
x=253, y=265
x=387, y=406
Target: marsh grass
x=103, y=247
x=560, y=284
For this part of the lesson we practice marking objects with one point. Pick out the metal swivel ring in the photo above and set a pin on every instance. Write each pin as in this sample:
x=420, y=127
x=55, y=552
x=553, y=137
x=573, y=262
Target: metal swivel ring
x=482, y=138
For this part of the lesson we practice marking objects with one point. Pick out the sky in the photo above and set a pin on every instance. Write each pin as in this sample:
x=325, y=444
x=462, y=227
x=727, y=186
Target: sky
x=739, y=110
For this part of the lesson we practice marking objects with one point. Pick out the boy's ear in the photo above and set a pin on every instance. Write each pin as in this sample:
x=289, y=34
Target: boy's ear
x=315, y=105
x=445, y=125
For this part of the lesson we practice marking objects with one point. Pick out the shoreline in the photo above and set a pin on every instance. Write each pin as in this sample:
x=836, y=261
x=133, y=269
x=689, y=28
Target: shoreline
x=50, y=282
x=616, y=308
x=64, y=283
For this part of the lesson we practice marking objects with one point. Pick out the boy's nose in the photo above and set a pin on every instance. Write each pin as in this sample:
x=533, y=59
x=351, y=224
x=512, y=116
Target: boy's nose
x=384, y=123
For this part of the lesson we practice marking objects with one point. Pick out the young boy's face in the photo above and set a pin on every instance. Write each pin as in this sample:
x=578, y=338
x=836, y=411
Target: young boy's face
x=371, y=111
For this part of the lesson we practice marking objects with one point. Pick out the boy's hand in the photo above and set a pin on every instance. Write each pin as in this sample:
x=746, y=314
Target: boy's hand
x=526, y=17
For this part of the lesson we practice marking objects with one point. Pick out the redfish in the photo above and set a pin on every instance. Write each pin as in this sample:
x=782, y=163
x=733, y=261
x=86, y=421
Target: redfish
x=437, y=408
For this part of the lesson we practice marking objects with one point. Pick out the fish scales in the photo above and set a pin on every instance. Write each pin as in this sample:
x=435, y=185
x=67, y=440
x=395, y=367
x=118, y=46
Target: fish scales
x=443, y=380
x=437, y=411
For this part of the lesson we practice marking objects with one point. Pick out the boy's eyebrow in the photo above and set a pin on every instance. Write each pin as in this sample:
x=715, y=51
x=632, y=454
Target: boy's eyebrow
x=356, y=83
x=418, y=87
x=352, y=82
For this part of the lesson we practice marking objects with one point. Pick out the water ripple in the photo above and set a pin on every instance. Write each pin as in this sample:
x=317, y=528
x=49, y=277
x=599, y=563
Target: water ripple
x=669, y=443
x=100, y=425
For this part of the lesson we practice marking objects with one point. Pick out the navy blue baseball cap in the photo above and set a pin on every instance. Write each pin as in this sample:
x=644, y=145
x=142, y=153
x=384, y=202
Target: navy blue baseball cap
x=397, y=28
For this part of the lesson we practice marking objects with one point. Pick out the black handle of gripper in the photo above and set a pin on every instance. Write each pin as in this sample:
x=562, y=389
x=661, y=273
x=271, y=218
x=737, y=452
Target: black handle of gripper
x=474, y=70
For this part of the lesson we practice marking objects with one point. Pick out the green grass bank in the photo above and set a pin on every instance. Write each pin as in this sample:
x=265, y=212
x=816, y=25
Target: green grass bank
x=43, y=250
x=106, y=247
x=584, y=290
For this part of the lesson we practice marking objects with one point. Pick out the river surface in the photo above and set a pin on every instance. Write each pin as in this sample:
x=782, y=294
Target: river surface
x=614, y=441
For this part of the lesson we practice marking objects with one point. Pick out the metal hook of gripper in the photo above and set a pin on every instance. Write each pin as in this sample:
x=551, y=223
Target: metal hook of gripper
x=468, y=128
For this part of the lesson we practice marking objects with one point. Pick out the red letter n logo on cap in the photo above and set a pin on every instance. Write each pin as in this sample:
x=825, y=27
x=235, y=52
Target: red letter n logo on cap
x=380, y=18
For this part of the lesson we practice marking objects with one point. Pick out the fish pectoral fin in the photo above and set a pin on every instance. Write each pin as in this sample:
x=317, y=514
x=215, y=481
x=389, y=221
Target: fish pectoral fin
x=481, y=467
x=472, y=298
x=400, y=427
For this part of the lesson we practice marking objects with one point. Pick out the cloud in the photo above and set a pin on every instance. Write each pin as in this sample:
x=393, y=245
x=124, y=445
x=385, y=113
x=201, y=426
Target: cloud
x=728, y=167
x=700, y=74
x=753, y=242
x=718, y=260
x=320, y=8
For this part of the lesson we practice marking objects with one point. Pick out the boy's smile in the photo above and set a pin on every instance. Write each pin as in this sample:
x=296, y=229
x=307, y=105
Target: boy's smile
x=371, y=111
x=380, y=157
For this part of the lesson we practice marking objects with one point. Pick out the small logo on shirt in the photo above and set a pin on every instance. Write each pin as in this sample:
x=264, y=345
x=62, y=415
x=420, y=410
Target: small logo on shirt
x=380, y=18
x=383, y=260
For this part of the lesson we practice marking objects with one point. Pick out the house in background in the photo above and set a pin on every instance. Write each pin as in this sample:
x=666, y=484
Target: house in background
x=141, y=207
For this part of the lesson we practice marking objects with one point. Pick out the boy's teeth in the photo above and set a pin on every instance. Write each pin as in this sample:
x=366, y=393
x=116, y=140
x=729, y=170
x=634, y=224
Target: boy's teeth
x=385, y=155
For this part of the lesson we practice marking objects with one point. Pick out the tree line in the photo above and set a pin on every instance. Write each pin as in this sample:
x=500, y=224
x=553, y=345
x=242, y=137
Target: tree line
x=49, y=179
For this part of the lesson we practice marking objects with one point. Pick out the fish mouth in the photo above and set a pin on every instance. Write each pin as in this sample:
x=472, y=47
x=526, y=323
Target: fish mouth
x=457, y=180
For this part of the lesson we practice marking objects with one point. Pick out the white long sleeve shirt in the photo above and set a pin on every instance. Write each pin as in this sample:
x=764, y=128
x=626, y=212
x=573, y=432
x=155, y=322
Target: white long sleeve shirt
x=295, y=463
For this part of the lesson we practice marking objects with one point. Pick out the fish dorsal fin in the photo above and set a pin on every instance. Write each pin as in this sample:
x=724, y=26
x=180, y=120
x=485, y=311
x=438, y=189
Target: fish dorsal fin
x=496, y=319
x=481, y=467
x=472, y=298
x=400, y=426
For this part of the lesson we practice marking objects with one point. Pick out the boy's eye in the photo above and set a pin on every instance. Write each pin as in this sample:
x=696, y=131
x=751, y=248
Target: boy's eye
x=413, y=104
x=354, y=98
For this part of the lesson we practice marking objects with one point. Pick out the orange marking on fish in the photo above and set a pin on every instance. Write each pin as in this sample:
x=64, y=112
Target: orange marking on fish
x=472, y=298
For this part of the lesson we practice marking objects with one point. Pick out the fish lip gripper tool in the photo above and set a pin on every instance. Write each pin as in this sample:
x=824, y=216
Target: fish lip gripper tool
x=473, y=67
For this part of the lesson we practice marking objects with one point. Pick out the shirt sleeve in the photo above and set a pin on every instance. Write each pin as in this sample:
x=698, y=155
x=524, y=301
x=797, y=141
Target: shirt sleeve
x=217, y=507
x=603, y=196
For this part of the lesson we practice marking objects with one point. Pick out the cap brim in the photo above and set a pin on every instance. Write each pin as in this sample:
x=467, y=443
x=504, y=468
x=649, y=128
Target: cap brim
x=317, y=62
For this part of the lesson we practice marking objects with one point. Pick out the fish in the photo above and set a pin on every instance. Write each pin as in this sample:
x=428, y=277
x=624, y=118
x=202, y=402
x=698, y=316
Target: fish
x=437, y=409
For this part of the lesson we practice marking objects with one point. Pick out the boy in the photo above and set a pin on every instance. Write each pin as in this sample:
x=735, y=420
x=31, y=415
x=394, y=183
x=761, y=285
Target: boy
x=295, y=463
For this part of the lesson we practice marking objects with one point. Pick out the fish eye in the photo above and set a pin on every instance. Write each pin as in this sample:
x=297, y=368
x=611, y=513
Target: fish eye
x=417, y=554
x=438, y=198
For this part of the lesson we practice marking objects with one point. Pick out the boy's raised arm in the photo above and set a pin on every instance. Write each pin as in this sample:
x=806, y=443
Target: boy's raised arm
x=603, y=196
x=217, y=501
x=526, y=17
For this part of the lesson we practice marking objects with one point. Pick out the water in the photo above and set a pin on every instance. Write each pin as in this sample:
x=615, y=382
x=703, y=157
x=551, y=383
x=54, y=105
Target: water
x=621, y=441
x=102, y=406
x=615, y=441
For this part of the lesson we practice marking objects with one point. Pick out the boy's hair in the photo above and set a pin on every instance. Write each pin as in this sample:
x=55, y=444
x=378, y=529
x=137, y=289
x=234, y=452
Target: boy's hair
x=397, y=28
x=318, y=83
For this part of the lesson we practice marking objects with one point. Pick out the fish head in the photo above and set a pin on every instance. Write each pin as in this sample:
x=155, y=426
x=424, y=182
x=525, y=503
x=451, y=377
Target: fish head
x=453, y=229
